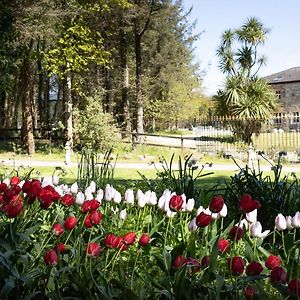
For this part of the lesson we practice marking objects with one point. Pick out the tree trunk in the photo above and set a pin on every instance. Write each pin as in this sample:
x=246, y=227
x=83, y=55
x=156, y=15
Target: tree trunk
x=68, y=119
x=26, y=86
x=138, y=83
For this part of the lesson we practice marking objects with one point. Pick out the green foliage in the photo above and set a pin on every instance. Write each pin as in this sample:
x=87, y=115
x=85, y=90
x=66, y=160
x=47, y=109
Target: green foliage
x=244, y=96
x=277, y=193
x=93, y=129
x=182, y=180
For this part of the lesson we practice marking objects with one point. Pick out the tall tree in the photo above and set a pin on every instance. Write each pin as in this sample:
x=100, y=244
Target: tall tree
x=245, y=96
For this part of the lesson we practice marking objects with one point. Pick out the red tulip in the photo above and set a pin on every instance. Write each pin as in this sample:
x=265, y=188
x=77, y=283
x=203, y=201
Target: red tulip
x=90, y=206
x=87, y=221
x=111, y=241
x=93, y=249
x=129, y=238
x=249, y=292
x=278, y=275
x=71, y=222
x=216, y=204
x=3, y=187
x=294, y=287
x=16, y=189
x=60, y=247
x=176, y=202
x=121, y=244
x=236, y=233
x=35, y=187
x=193, y=263
x=144, y=239
x=94, y=204
x=15, y=180
x=236, y=265
x=223, y=245
x=203, y=219
x=247, y=204
x=67, y=200
x=26, y=186
x=14, y=207
x=96, y=217
x=57, y=229
x=272, y=262
x=50, y=258
x=254, y=268
x=205, y=261
x=179, y=261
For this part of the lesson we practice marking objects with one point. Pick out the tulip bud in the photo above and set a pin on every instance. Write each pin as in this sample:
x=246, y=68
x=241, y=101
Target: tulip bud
x=289, y=224
x=205, y=261
x=179, y=261
x=296, y=220
x=144, y=239
x=203, y=220
x=216, y=204
x=129, y=197
x=236, y=265
x=280, y=222
x=223, y=212
x=57, y=229
x=251, y=217
x=129, y=238
x=223, y=245
x=117, y=197
x=249, y=292
x=254, y=268
x=95, y=217
x=60, y=247
x=93, y=249
x=80, y=198
x=294, y=287
x=67, y=200
x=236, y=233
x=123, y=214
x=190, y=204
x=50, y=258
x=176, y=202
x=192, y=225
x=247, y=204
x=272, y=262
x=278, y=275
x=15, y=180
x=99, y=196
x=74, y=188
x=71, y=222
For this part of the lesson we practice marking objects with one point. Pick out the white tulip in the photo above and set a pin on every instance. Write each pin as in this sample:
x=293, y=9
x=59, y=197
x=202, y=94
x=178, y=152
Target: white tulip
x=171, y=214
x=123, y=214
x=47, y=181
x=129, y=197
x=280, y=222
x=74, y=188
x=80, y=198
x=243, y=223
x=200, y=210
x=89, y=196
x=223, y=212
x=117, y=197
x=109, y=192
x=289, y=224
x=59, y=190
x=251, y=217
x=192, y=225
x=190, y=204
x=92, y=186
x=21, y=183
x=256, y=230
x=55, y=180
x=99, y=196
x=161, y=201
x=296, y=220
x=150, y=198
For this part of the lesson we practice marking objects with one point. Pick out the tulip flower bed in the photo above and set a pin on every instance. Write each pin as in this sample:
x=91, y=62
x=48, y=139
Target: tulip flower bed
x=61, y=242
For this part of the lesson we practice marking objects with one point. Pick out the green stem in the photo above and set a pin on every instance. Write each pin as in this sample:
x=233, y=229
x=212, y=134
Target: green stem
x=283, y=244
x=166, y=234
x=135, y=262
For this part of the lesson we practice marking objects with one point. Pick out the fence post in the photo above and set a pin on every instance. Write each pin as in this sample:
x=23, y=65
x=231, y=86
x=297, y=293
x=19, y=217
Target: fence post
x=181, y=142
x=134, y=139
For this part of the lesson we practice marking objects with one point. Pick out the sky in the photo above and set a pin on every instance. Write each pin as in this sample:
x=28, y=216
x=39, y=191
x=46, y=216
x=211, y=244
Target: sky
x=282, y=47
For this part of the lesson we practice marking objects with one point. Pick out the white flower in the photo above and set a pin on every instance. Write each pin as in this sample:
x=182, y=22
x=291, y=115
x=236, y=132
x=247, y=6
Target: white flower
x=183, y=207
x=92, y=186
x=109, y=192
x=280, y=222
x=192, y=225
x=88, y=191
x=59, y=190
x=21, y=183
x=89, y=196
x=223, y=212
x=168, y=197
x=129, y=196
x=243, y=223
x=47, y=180
x=55, y=180
x=200, y=210
x=74, y=188
x=80, y=198
x=251, y=217
x=296, y=220
x=162, y=200
x=65, y=188
x=150, y=198
x=190, y=204
x=123, y=214
x=289, y=224
x=256, y=230
x=117, y=197
x=99, y=196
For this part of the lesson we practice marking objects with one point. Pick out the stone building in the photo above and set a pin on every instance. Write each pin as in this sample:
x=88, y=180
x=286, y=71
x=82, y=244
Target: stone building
x=287, y=88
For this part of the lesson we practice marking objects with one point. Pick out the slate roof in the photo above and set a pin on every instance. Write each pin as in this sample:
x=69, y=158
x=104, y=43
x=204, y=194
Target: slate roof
x=290, y=75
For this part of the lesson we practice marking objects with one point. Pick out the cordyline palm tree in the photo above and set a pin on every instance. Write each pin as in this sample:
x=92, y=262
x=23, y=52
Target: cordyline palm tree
x=245, y=97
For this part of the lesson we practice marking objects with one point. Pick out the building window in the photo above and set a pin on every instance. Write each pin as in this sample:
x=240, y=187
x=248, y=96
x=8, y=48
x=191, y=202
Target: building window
x=278, y=94
x=278, y=118
x=296, y=117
